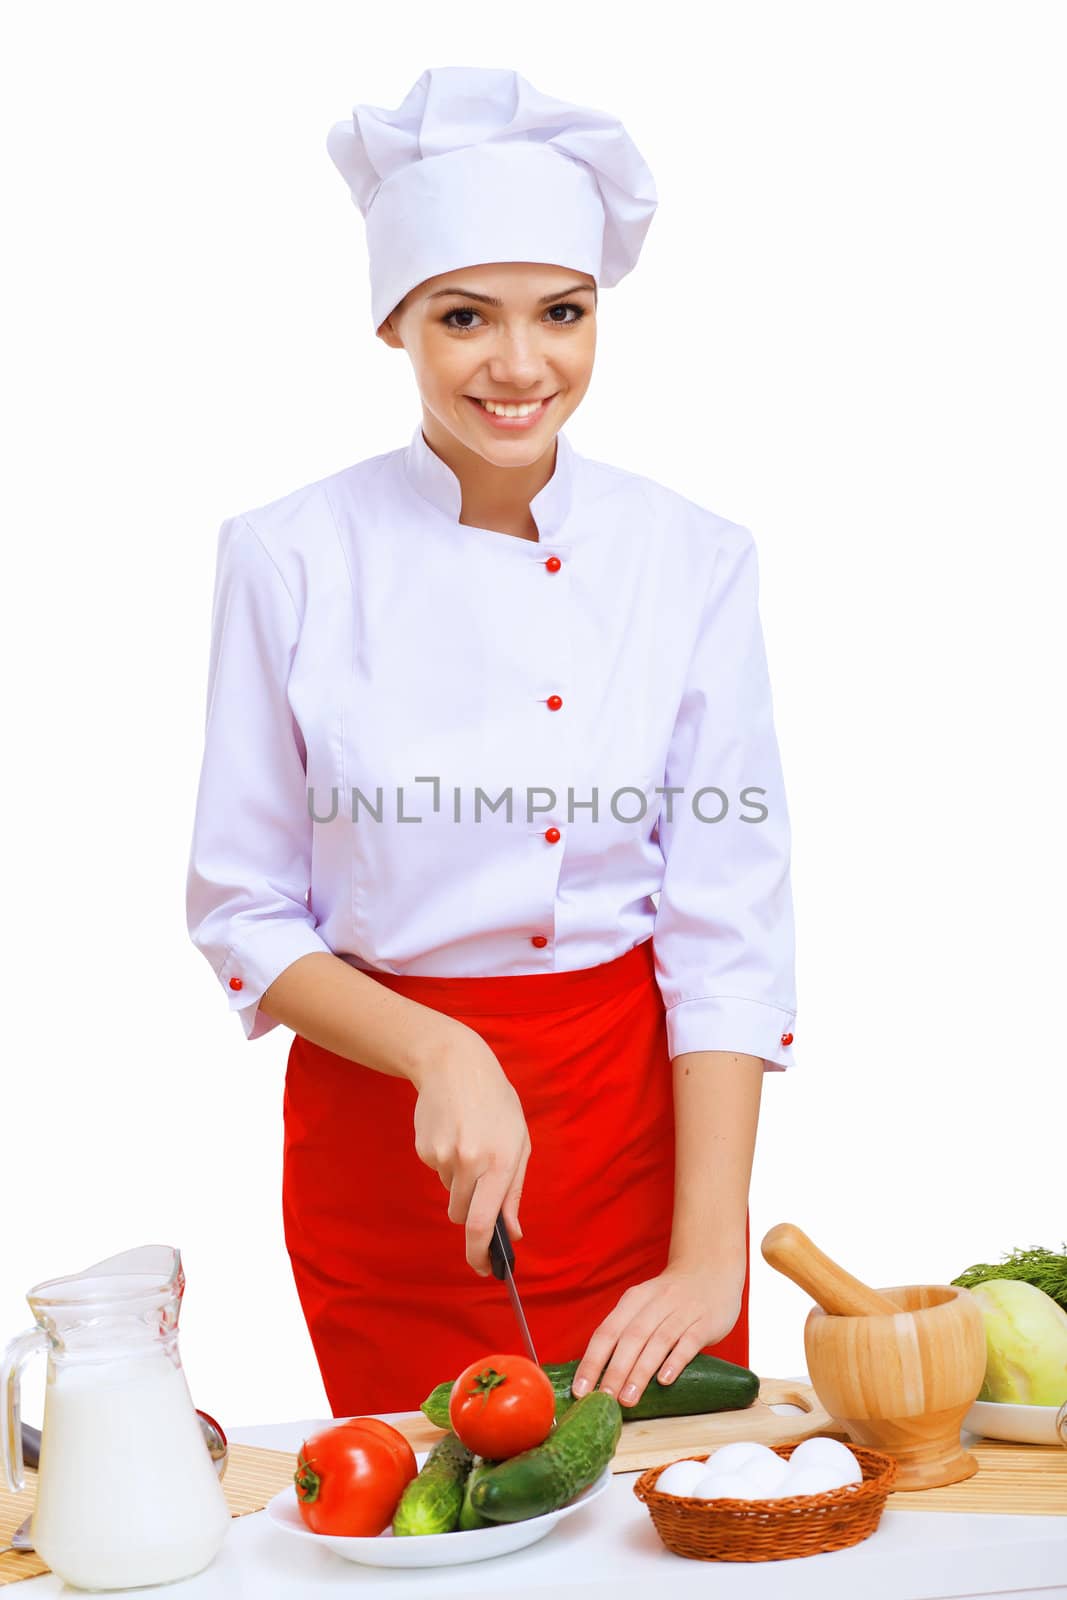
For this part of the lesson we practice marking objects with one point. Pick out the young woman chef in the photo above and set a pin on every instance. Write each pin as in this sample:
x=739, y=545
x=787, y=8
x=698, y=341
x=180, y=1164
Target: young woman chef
x=472, y=703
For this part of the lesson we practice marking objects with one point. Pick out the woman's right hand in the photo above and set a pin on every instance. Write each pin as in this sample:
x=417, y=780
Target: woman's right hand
x=470, y=1129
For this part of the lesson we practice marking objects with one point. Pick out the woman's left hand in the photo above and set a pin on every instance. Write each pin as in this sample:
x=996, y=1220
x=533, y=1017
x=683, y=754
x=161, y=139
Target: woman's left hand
x=658, y=1326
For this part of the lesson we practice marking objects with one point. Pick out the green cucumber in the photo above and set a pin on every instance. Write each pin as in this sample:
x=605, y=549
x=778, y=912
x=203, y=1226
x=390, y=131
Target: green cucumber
x=547, y=1477
x=468, y=1517
x=432, y=1502
x=706, y=1384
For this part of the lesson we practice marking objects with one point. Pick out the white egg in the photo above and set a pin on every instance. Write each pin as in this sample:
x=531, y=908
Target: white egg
x=764, y=1474
x=732, y=1457
x=815, y=1479
x=681, y=1477
x=827, y=1452
x=723, y=1486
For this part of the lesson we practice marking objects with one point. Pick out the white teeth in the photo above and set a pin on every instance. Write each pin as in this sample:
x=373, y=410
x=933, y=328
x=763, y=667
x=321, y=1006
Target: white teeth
x=511, y=410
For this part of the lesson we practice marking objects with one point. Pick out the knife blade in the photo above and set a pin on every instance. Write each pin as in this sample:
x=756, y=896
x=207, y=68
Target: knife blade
x=502, y=1260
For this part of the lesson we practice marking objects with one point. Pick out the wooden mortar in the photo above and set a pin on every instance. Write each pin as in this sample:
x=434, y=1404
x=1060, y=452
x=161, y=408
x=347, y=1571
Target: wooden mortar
x=899, y=1368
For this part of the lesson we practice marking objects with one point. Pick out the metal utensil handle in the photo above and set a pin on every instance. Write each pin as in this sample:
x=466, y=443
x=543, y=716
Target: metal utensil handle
x=31, y=1445
x=501, y=1249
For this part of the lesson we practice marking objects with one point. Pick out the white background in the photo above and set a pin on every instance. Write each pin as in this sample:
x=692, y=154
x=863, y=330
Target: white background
x=846, y=331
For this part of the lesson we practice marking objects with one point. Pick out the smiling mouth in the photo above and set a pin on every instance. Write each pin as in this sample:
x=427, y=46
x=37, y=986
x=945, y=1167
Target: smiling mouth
x=492, y=399
x=499, y=416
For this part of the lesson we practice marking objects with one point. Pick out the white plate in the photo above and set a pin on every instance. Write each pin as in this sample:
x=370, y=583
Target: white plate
x=429, y=1549
x=996, y=1419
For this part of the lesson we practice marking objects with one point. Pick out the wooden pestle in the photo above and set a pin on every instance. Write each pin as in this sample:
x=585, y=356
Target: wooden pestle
x=790, y=1250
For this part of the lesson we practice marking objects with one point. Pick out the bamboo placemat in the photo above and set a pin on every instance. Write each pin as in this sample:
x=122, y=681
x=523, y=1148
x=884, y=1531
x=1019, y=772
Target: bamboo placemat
x=252, y=1477
x=1023, y=1480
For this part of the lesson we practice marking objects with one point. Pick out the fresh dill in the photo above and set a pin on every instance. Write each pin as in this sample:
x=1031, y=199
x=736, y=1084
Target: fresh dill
x=1043, y=1268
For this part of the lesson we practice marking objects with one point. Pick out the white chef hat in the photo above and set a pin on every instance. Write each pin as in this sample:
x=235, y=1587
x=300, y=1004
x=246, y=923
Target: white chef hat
x=476, y=165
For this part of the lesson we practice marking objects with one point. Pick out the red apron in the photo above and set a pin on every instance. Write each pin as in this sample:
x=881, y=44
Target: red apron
x=392, y=1307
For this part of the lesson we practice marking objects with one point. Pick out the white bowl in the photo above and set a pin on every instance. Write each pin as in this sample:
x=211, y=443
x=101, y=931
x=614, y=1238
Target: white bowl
x=429, y=1549
x=997, y=1419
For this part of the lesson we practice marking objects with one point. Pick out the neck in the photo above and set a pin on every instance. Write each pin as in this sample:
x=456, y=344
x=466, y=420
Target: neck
x=494, y=497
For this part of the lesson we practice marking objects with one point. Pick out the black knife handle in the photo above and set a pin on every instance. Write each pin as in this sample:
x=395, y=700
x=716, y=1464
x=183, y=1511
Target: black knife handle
x=499, y=1246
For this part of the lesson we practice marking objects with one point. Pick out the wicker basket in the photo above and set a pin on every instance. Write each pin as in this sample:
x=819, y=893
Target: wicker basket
x=771, y=1530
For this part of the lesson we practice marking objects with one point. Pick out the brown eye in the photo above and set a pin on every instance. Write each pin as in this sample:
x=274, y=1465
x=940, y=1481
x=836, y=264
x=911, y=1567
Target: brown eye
x=579, y=313
x=460, y=311
x=469, y=311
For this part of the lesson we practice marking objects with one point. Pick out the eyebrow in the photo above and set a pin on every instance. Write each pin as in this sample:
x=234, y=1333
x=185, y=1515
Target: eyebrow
x=491, y=300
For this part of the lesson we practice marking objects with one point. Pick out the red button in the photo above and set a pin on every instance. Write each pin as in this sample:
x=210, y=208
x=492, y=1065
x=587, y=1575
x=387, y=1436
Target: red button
x=787, y=1038
x=553, y=563
x=235, y=983
x=554, y=702
x=539, y=940
x=552, y=835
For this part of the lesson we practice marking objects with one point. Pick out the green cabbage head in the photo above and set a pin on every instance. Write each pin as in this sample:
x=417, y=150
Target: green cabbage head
x=1026, y=1343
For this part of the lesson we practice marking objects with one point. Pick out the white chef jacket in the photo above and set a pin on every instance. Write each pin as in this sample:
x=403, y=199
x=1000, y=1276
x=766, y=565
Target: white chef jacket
x=382, y=677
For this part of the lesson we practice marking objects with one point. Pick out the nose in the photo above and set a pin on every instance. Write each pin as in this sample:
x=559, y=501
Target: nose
x=517, y=361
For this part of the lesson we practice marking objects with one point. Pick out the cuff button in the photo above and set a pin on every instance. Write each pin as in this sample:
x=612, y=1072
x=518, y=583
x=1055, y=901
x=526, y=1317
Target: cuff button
x=787, y=1038
x=236, y=983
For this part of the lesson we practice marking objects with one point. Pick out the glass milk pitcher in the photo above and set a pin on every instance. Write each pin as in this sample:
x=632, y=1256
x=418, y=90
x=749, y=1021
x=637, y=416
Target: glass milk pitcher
x=127, y=1494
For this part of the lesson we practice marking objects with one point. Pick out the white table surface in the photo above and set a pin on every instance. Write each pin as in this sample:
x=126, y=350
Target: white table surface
x=612, y=1549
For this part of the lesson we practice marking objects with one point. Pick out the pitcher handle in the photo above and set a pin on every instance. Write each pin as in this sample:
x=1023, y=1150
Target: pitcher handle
x=12, y=1362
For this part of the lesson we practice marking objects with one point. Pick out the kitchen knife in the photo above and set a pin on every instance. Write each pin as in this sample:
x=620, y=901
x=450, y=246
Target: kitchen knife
x=502, y=1260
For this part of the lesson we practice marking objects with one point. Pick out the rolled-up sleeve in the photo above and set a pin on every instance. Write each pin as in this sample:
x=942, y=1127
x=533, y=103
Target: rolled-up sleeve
x=723, y=937
x=249, y=875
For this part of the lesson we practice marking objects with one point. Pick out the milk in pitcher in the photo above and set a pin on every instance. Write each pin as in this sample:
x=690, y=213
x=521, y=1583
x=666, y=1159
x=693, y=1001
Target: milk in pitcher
x=128, y=1492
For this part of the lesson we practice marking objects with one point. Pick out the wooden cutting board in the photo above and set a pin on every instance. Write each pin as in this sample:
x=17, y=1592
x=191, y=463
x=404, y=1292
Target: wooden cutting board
x=661, y=1439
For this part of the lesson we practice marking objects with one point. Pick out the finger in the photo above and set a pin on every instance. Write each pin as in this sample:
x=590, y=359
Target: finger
x=657, y=1349
x=642, y=1330
x=461, y=1190
x=514, y=1195
x=679, y=1358
x=635, y=1299
x=598, y=1353
x=486, y=1201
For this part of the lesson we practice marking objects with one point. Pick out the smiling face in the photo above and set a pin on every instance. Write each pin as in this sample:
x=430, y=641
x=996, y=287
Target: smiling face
x=515, y=331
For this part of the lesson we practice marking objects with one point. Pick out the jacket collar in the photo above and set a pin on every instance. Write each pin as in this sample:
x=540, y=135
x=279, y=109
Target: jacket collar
x=434, y=480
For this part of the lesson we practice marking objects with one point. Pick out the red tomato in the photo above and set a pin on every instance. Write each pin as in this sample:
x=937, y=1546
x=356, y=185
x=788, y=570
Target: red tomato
x=350, y=1477
x=400, y=1447
x=501, y=1405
